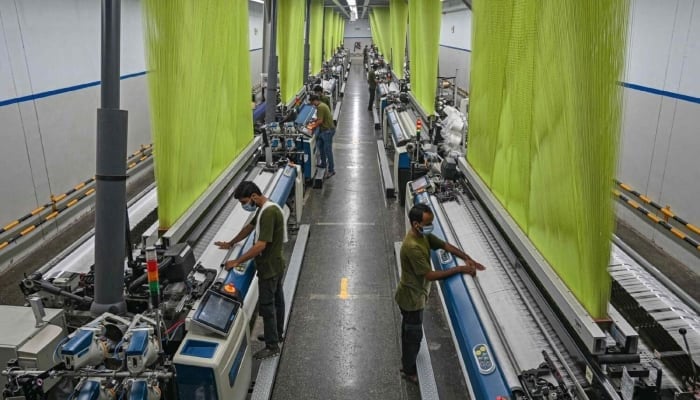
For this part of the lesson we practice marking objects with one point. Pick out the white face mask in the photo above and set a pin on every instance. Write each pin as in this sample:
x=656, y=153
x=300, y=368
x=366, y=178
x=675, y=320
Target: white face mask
x=250, y=207
x=426, y=229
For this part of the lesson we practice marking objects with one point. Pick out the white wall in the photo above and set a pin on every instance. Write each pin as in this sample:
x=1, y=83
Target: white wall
x=661, y=138
x=255, y=37
x=357, y=31
x=50, y=50
x=456, y=45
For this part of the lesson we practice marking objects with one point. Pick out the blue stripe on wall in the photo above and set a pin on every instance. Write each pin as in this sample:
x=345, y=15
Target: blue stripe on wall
x=455, y=48
x=55, y=92
x=659, y=92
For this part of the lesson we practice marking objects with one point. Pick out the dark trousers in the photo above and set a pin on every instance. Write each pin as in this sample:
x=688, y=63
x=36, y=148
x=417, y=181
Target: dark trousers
x=271, y=308
x=411, y=336
x=324, y=141
x=372, y=91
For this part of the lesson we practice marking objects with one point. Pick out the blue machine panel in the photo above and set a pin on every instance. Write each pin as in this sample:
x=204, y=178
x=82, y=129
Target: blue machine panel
x=139, y=391
x=304, y=114
x=236, y=366
x=138, y=343
x=195, y=382
x=259, y=112
x=89, y=391
x=395, y=127
x=485, y=374
x=199, y=348
x=78, y=344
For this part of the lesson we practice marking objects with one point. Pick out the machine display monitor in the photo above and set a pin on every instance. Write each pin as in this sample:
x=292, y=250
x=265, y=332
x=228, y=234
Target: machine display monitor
x=216, y=312
x=420, y=184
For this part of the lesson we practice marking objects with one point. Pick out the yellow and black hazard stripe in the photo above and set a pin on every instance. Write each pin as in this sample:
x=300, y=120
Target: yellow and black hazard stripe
x=655, y=218
x=137, y=157
x=664, y=210
x=40, y=221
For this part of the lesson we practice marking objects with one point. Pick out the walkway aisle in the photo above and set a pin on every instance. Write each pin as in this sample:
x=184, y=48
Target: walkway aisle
x=342, y=339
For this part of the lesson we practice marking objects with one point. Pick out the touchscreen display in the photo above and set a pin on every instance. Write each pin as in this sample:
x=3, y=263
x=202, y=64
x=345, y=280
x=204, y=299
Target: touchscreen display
x=217, y=311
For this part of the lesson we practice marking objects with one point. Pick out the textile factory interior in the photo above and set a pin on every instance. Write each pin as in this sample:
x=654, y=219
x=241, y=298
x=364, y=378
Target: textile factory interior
x=251, y=199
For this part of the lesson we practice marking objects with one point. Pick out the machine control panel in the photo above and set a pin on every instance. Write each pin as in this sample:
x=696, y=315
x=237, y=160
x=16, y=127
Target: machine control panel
x=445, y=257
x=484, y=359
x=216, y=312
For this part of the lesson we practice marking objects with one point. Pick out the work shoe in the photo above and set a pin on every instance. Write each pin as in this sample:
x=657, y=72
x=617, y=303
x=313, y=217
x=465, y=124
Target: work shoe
x=413, y=378
x=280, y=337
x=329, y=174
x=267, y=352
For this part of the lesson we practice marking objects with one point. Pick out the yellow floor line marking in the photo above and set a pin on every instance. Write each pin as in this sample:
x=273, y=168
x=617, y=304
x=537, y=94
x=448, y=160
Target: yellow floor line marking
x=343, y=289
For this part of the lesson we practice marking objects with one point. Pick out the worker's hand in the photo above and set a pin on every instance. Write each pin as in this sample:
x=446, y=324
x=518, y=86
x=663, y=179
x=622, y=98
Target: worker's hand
x=471, y=267
x=231, y=264
x=224, y=245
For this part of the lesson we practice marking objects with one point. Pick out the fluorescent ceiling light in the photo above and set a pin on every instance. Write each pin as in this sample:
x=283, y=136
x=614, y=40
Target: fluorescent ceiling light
x=353, y=9
x=258, y=1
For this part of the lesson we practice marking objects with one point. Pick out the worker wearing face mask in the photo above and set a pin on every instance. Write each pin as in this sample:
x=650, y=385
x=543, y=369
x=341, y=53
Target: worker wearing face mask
x=416, y=275
x=270, y=236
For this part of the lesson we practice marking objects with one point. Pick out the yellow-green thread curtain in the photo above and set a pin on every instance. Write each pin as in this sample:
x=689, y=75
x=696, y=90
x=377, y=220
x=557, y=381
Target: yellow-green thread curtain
x=316, y=36
x=424, y=25
x=199, y=86
x=328, y=34
x=544, y=126
x=338, y=27
x=379, y=20
x=398, y=13
x=336, y=22
x=290, y=46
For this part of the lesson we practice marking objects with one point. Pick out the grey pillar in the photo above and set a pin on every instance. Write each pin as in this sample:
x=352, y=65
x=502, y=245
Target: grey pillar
x=307, y=53
x=271, y=95
x=110, y=219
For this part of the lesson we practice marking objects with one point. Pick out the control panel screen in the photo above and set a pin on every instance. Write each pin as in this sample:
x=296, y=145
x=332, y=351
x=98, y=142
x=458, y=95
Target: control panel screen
x=217, y=312
x=420, y=184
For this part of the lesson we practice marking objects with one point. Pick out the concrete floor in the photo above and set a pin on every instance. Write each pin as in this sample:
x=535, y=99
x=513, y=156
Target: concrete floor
x=346, y=345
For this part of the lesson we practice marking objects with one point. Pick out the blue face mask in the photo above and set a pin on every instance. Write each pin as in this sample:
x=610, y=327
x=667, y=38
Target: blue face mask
x=250, y=207
x=426, y=229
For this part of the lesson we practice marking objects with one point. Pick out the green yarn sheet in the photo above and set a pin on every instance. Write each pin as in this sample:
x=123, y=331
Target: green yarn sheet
x=544, y=126
x=290, y=47
x=316, y=36
x=398, y=14
x=379, y=20
x=425, y=18
x=328, y=34
x=199, y=87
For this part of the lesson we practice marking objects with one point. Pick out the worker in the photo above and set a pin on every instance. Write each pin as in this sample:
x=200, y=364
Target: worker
x=416, y=276
x=365, y=56
x=324, y=136
x=372, y=82
x=318, y=91
x=270, y=235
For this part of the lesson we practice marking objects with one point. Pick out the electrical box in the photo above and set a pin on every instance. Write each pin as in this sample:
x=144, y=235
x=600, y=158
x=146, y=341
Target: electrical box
x=21, y=339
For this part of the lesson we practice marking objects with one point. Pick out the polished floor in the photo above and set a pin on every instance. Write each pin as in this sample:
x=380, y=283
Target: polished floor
x=343, y=336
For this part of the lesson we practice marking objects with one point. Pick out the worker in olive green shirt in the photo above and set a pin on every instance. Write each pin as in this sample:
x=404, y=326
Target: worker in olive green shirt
x=318, y=91
x=372, y=82
x=324, y=137
x=416, y=276
x=270, y=229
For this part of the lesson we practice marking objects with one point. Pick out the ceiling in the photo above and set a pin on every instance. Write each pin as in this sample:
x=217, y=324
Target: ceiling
x=361, y=4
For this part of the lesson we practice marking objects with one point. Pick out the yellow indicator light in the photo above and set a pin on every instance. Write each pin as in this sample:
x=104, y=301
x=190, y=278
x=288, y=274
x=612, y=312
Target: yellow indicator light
x=229, y=288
